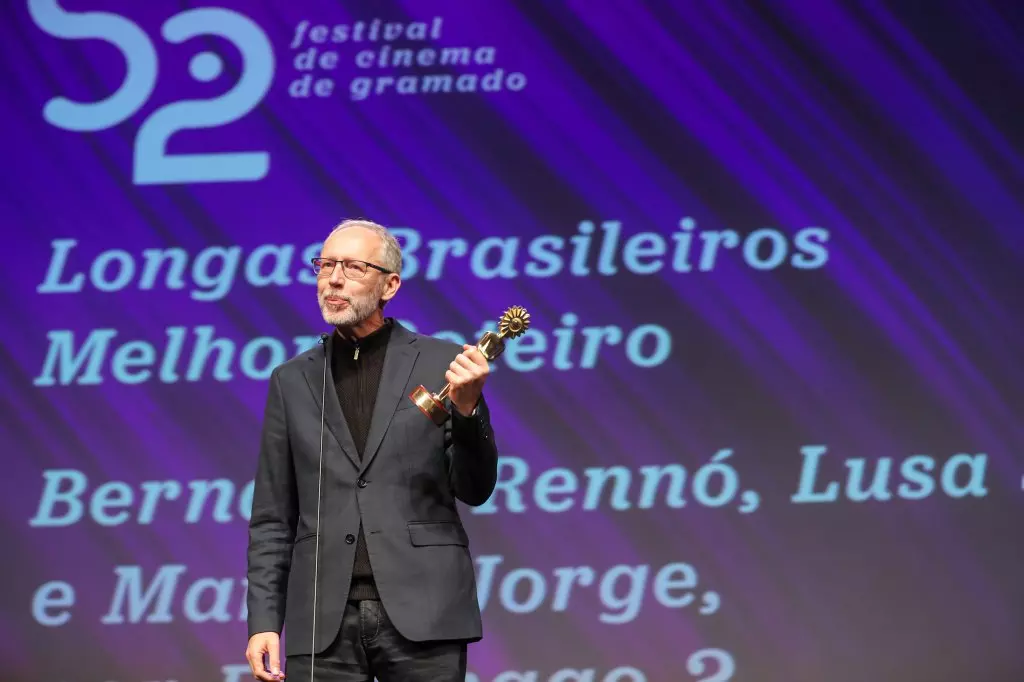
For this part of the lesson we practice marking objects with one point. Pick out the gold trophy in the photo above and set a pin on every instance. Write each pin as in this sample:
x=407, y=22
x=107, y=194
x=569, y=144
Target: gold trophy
x=514, y=322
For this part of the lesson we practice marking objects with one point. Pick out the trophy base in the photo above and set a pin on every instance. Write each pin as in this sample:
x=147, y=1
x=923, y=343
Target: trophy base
x=429, y=405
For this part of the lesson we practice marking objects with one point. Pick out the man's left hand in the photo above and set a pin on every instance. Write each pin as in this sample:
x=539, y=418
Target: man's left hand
x=467, y=375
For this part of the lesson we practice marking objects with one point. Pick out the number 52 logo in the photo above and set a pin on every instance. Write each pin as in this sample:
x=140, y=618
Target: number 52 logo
x=152, y=164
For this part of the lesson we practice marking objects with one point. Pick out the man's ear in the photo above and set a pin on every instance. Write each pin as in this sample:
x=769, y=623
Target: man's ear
x=394, y=282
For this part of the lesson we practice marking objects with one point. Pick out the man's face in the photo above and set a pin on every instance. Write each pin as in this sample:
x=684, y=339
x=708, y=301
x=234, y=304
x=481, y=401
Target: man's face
x=348, y=302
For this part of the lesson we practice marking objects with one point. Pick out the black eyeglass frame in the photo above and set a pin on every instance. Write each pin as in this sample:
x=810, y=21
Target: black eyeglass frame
x=318, y=264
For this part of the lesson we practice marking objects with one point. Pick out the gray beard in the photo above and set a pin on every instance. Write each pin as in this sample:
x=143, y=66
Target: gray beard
x=358, y=310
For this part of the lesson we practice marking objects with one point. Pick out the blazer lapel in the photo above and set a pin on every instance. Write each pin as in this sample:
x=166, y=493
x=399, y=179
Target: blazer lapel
x=398, y=364
x=330, y=407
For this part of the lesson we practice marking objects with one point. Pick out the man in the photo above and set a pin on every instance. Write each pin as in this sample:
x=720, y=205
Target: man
x=370, y=534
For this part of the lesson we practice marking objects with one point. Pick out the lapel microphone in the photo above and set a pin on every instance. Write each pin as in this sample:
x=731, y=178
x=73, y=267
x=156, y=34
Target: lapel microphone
x=319, y=482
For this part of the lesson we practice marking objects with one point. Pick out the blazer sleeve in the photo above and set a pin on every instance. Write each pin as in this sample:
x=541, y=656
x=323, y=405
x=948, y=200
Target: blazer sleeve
x=273, y=519
x=472, y=455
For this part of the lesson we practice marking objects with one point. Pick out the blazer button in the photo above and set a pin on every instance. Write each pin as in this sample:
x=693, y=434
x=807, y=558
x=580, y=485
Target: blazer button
x=361, y=483
x=350, y=538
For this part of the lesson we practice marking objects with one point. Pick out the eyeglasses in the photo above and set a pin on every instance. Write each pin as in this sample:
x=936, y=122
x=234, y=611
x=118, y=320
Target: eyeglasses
x=353, y=269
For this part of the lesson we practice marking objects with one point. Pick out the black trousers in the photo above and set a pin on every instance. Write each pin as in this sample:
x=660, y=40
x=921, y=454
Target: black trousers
x=368, y=646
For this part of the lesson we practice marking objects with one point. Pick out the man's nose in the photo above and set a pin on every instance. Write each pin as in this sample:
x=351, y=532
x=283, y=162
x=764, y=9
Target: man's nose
x=337, y=278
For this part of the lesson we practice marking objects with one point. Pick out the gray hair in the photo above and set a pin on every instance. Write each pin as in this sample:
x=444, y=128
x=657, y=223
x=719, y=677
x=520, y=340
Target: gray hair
x=391, y=258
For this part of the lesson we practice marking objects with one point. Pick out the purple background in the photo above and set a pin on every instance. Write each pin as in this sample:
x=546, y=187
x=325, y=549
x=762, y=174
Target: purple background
x=896, y=128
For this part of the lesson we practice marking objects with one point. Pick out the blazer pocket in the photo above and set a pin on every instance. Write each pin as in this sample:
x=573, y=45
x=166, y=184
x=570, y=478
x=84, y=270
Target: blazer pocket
x=305, y=536
x=426, y=533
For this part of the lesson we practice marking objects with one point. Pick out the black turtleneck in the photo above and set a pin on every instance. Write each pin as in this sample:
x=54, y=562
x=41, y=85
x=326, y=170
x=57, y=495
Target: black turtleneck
x=356, y=367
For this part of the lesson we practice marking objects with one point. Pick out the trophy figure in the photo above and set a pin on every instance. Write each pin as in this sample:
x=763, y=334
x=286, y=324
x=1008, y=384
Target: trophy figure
x=514, y=322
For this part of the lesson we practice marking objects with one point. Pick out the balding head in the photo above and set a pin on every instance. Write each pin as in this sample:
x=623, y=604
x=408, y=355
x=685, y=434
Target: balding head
x=389, y=254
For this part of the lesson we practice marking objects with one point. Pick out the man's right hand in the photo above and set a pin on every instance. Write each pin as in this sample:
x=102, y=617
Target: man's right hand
x=269, y=644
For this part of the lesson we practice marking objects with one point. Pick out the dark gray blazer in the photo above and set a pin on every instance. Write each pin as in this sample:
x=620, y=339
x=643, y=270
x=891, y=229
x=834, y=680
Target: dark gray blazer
x=404, y=492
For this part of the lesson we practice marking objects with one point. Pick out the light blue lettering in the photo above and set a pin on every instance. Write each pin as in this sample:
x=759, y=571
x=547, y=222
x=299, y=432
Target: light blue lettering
x=123, y=272
x=306, y=274
x=248, y=362
x=129, y=592
x=695, y=665
x=810, y=245
x=410, y=241
x=913, y=470
x=152, y=493
x=178, y=258
x=486, y=567
x=581, y=247
x=217, y=612
x=726, y=475
x=506, y=247
x=711, y=240
x=135, y=47
x=172, y=353
x=110, y=495
x=440, y=249
x=553, y=482
x=205, y=345
x=304, y=343
x=201, y=490
x=569, y=576
x=55, y=594
x=153, y=165
x=278, y=276
x=710, y=602
x=536, y=592
x=215, y=286
x=660, y=352
x=547, y=262
x=60, y=356
x=916, y=471
x=777, y=250
x=683, y=240
x=645, y=244
x=624, y=608
x=512, y=473
x=531, y=341
x=51, y=283
x=667, y=580
x=597, y=476
x=563, y=343
x=606, y=259
x=653, y=476
x=879, y=485
x=130, y=355
x=975, y=486
x=594, y=337
x=55, y=479
x=808, y=476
